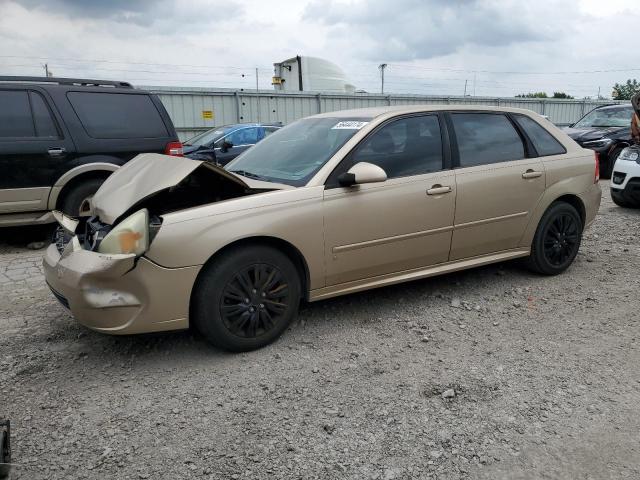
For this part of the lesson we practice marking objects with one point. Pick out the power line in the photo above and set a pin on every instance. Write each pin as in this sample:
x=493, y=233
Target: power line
x=516, y=72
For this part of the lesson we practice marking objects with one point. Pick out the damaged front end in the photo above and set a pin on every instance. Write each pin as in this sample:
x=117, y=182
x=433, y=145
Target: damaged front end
x=96, y=265
x=126, y=212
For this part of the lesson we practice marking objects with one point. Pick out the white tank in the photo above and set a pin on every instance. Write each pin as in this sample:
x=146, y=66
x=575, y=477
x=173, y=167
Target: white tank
x=310, y=74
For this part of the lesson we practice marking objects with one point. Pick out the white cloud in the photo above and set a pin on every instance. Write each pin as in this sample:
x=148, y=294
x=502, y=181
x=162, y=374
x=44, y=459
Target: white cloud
x=432, y=46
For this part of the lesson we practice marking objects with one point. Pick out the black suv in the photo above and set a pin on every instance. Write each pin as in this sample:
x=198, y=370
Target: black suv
x=607, y=130
x=60, y=138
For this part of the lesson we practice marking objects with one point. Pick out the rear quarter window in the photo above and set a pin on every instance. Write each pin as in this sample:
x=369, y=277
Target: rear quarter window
x=544, y=143
x=118, y=115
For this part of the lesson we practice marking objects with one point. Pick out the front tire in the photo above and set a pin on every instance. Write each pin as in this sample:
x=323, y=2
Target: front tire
x=611, y=161
x=620, y=202
x=556, y=241
x=247, y=298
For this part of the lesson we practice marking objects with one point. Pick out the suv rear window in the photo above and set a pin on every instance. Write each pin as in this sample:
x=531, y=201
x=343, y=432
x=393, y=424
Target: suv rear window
x=118, y=115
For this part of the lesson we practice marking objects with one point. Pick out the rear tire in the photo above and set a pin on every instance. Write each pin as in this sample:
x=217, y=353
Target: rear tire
x=556, y=241
x=247, y=298
x=75, y=197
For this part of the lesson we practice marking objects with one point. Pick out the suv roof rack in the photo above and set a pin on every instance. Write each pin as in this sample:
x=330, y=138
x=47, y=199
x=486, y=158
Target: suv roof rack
x=67, y=81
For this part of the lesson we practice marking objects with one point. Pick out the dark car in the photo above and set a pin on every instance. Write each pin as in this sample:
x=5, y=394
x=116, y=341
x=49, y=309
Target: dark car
x=60, y=138
x=222, y=144
x=607, y=130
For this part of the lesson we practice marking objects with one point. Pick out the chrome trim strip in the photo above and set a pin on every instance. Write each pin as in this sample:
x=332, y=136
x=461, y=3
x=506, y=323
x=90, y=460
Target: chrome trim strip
x=383, y=241
x=489, y=220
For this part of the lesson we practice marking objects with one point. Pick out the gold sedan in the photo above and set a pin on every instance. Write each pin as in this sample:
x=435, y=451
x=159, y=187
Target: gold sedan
x=331, y=204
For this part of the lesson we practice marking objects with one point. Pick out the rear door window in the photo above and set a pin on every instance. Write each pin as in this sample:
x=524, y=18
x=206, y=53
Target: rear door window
x=269, y=130
x=16, y=120
x=118, y=115
x=544, y=143
x=243, y=136
x=485, y=138
x=44, y=122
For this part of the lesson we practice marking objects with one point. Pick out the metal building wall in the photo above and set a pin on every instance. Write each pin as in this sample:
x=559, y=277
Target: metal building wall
x=190, y=108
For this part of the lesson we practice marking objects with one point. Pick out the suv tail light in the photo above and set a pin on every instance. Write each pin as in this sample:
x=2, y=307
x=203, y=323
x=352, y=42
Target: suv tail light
x=174, y=149
x=596, y=176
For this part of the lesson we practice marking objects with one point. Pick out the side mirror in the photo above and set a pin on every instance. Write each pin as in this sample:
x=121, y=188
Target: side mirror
x=362, y=173
x=226, y=146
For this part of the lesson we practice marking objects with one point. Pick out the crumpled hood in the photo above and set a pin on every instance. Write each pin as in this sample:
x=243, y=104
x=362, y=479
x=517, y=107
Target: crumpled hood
x=150, y=173
x=592, y=133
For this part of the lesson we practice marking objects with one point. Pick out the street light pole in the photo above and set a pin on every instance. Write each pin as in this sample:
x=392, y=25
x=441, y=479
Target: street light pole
x=382, y=66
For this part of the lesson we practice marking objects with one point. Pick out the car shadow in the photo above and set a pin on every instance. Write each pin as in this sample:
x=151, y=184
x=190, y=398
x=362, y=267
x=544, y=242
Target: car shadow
x=331, y=314
x=23, y=236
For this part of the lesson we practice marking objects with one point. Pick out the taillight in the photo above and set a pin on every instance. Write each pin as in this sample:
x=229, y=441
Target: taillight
x=174, y=148
x=596, y=176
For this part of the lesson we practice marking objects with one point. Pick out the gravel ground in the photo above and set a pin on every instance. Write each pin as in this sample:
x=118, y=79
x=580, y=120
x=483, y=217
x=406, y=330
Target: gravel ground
x=486, y=374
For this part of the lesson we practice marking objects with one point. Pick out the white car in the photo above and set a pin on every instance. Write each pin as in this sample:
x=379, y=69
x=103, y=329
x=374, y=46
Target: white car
x=625, y=179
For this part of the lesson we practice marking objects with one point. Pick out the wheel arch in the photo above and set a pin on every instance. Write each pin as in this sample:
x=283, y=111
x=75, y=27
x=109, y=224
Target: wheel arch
x=76, y=176
x=571, y=198
x=576, y=202
x=279, y=244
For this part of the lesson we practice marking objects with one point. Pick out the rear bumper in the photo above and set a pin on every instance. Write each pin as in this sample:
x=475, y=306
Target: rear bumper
x=119, y=294
x=591, y=199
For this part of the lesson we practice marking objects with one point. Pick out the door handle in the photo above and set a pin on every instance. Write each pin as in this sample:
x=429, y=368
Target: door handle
x=56, y=152
x=438, y=190
x=531, y=174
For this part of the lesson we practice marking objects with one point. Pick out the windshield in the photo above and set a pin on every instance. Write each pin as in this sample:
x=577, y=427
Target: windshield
x=293, y=154
x=606, y=117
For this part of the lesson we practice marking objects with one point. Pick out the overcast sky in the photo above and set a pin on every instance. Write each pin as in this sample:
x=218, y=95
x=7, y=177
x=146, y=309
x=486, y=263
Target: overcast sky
x=501, y=48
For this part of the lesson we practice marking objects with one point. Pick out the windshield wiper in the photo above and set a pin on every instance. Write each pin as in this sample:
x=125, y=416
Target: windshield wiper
x=255, y=176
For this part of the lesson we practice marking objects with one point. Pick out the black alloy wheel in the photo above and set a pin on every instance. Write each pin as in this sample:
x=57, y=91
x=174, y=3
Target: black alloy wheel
x=246, y=298
x=561, y=239
x=557, y=240
x=255, y=300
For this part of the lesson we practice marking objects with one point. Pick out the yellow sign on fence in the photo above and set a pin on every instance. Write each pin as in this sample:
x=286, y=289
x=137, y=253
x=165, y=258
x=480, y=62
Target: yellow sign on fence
x=207, y=114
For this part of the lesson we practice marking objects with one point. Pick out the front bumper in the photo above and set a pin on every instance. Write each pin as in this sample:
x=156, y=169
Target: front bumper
x=625, y=182
x=119, y=294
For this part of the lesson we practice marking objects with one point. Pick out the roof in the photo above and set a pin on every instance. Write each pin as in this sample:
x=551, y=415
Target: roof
x=373, y=112
x=623, y=105
x=65, y=81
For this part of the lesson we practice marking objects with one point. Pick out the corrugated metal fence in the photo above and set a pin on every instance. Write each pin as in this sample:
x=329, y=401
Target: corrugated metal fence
x=194, y=110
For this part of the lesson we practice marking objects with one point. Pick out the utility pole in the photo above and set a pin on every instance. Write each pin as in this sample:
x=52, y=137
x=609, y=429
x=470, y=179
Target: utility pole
x=46, y=70
x=382, y=66
x=474, y=84
x=598, y=97
x=257, y=96
x=465, y=87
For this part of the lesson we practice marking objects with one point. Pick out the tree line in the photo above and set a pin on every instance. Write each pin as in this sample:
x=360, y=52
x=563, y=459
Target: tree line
x=621, y=91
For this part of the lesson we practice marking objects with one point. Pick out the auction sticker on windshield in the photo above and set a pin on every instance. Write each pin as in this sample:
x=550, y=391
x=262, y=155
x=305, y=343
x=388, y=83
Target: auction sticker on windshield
x=351, y=125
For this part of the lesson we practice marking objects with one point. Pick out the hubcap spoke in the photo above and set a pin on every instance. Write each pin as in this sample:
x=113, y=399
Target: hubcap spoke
x=255, y=300
x=561, y=240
